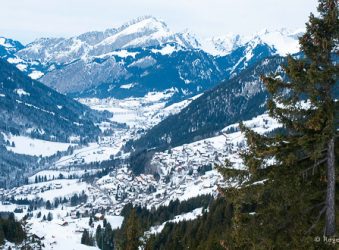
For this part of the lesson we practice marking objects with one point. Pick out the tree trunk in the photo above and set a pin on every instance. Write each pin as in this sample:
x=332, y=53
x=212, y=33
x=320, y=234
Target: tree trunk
x=330, y=195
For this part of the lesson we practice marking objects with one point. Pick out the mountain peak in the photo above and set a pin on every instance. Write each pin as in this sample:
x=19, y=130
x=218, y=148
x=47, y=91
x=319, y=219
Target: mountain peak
x=8, y=46
x=282, y=40
x=144, y=19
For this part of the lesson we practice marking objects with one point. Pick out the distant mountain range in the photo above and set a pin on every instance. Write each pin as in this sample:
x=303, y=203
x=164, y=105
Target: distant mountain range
x=141, y=56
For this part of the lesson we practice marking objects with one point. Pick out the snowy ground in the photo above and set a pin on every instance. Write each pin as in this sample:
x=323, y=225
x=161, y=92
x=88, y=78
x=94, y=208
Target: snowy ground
x=63, y=232
x=183, y=217
x=140, y=112
x=58, y=237
x=35, y=147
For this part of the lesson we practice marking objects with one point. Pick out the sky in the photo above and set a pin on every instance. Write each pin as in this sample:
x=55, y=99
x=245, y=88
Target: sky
x=26, y=20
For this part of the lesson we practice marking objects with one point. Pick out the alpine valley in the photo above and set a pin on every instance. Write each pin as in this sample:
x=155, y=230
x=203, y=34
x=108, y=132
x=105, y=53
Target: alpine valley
x=134, y=116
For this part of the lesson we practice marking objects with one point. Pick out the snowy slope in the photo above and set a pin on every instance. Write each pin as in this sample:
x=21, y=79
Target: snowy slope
x=183, y=217
x=35, y=147
x=137, y=55
x=139, y=33
x=282, y=41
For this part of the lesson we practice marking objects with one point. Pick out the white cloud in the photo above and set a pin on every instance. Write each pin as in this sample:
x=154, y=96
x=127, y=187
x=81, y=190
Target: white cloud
x=28, y=19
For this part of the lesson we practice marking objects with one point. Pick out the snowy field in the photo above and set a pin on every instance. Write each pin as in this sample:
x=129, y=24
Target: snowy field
x=142, y=112
x=34, y=147
x=63, y=232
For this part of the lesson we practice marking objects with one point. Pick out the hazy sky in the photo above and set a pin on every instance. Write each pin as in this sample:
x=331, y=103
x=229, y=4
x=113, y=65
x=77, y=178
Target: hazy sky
x=26, y=20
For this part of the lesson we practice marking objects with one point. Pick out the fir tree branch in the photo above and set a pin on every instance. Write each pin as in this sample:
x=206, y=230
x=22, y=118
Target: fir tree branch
x=322, y=211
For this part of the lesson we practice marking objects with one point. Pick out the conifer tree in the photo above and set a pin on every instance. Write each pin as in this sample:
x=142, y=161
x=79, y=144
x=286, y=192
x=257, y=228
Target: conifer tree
x=311, y=130
x=90, y=222
x=2, y=235
x=87, y=239
x=49, y=216
x=132, y=231
x=281, y=200
x=99, y=236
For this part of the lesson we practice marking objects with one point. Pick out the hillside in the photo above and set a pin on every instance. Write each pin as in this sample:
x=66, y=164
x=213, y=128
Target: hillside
x=232, y=101
x=30, y=108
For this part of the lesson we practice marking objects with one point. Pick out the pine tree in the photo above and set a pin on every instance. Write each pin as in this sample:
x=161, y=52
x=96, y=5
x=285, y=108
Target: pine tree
x=2, y=235
x=48, y=205
x=49, y=216
x=90, y=221
x=132, y=231
x=87, y=239
x=312, y=78
x=281, y=199
x=99, y=236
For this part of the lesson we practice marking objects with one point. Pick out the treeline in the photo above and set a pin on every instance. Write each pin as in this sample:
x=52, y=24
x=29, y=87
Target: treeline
x=205, y=232
x=138, y=220
x=35, y=204
x=157, y=216
x=10, y=229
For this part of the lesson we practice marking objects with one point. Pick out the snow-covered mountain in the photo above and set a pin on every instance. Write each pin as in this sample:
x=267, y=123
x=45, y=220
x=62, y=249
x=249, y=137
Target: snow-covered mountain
x=9, y=47
x=139, y=33
x=282, y=42
x=222, y=45
x=29, y=109
x=139, y=54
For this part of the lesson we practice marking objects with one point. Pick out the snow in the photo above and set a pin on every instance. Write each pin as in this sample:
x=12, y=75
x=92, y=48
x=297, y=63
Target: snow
x=36, y=74
x=35, y=147
x=143, y=63
x=119, y=53
x=21, y=92
x=149, y=26
x=35, y=107
x=52, y=189
x=58, y=237
x=167, y=50
x=141, y=112
x=127, y=86
x=157, y=96
x=14, y=60
x=3, y=42
x=183, y=217
x=92, y=153
x=283, y=41
x=115, y=221
x=21, y=67
x=54, y=174
x=221, y=45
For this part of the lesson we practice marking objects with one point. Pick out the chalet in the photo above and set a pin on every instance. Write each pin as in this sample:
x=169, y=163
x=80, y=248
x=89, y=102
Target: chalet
x=99, y=216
